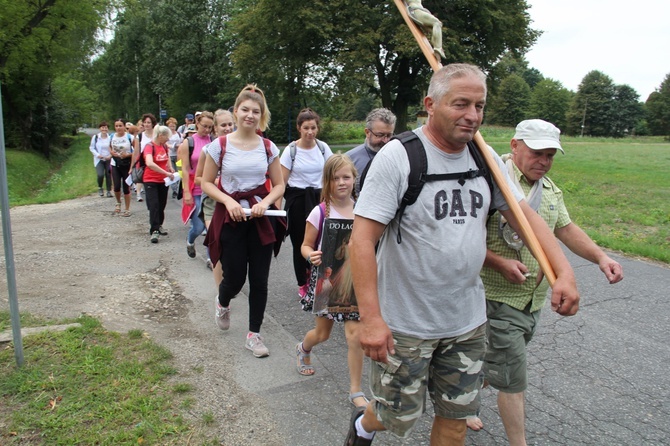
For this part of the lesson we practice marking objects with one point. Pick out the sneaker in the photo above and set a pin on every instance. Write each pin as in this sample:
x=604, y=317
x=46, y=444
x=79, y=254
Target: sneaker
x=100, y=192
x=174, y=194
x=353, y=439
x=190, y=250
x=109, y=194
x=210, y=265
x=162, y=231
x=139, y=198
x=154, y=237
x=302, y=291
x=255, y=344
x=222, y=316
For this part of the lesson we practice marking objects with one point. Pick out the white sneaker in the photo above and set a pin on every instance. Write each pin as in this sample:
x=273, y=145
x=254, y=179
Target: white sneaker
x=222, y=316
x=255, y=344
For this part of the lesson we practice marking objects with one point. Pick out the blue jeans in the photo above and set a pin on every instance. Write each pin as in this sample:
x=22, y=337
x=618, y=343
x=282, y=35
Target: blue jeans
x=197, y=225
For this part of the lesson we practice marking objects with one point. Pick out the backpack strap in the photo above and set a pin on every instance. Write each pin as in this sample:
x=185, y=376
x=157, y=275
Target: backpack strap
x=268, y=149
x=322, y=208
x=418, y=166
x=191, y=146
x=293, y=148
x=321, y=147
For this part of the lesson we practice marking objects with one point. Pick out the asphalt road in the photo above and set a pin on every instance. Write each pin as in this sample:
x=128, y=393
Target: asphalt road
x=596, y=378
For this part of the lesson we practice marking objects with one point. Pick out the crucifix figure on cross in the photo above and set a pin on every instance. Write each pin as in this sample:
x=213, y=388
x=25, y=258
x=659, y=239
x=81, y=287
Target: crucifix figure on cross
x=429, y=23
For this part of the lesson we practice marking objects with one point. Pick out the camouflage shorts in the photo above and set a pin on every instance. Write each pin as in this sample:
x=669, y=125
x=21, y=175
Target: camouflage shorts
x=448, y=368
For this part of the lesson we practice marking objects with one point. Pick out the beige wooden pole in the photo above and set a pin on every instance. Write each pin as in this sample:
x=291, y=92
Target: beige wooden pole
x=524, y=227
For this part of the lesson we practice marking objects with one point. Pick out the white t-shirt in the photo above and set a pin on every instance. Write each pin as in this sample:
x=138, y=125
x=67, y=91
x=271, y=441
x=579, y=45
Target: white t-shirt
x=146, y=139
x=242, y=170
x=120, y=146
x=173, y=144
x=308, y=165
x=429, y=285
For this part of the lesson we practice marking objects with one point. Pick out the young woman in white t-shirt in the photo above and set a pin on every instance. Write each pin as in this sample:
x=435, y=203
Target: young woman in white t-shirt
x=121, y=149
x=244, y=242
x=302, y=177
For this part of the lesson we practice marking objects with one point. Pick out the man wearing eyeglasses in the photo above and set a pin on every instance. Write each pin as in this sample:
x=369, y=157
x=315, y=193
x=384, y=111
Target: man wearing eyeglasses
x=379, y=128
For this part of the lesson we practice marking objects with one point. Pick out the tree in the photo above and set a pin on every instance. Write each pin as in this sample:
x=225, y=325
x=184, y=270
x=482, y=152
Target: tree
x=591, y=111
x=344, y=47
x=658, y=109
x=39, y=42
x=510, y=104
x=512, y=63
x=627, y=111
x=550, y=101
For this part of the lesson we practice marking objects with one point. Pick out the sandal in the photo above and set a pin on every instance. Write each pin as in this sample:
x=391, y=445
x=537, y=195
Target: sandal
x=117, y=209
x=353, y=396
x=303, y=369
x=126, y=213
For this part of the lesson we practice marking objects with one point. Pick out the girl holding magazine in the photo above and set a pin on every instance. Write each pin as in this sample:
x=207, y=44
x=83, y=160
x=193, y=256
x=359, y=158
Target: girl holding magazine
x=337, y=201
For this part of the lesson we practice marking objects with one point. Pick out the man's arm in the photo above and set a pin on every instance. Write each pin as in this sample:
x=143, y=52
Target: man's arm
x=374, y=335
x=581, y=244
x=564, y=295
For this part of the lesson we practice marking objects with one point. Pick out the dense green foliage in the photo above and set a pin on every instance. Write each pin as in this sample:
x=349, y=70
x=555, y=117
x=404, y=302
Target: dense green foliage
x=340, y=57
x=658, y=109
x=43, y=47
x=331, y=55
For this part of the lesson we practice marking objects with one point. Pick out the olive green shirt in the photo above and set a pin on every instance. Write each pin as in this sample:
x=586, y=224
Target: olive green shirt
x=553, y=212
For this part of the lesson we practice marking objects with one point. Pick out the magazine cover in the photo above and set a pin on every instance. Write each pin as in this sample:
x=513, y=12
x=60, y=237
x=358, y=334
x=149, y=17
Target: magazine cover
x=334, y=289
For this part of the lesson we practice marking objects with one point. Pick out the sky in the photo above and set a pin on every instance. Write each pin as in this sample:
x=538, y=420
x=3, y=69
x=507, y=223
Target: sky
x=629, y=41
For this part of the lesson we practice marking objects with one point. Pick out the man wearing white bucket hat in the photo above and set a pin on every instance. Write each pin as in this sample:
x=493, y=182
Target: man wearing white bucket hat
x=515, y=288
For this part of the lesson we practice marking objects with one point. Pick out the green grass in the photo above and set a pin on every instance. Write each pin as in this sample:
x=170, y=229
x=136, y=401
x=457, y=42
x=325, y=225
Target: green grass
x=34, y=180
x=615, y=189
x=90, y=386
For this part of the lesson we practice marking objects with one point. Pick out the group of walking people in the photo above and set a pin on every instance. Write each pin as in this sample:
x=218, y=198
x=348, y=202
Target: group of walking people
x=421, y=314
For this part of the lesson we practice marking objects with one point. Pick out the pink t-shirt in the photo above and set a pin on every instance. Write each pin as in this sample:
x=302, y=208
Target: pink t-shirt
x=198, y=143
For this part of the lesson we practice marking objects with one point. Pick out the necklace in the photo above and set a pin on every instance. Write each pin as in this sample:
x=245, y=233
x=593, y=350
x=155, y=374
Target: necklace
x=246, y=145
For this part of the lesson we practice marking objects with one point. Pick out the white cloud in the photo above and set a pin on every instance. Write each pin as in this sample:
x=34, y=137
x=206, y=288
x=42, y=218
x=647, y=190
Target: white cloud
x=628, y=41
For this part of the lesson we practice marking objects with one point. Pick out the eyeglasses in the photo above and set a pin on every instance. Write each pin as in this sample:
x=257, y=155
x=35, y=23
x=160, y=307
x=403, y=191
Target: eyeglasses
x=382, y=135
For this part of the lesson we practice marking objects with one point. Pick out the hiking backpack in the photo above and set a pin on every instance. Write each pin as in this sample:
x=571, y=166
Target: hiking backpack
x=418, y=168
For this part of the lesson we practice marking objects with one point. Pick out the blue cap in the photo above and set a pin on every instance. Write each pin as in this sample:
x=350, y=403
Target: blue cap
x=189, y=116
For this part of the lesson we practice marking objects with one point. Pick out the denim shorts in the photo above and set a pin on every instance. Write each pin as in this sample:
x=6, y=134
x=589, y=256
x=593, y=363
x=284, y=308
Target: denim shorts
x=449, y=369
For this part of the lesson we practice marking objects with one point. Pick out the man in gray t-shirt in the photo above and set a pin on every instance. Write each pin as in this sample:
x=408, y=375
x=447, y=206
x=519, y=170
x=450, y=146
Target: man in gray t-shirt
x=379, y=128
x=421, y=301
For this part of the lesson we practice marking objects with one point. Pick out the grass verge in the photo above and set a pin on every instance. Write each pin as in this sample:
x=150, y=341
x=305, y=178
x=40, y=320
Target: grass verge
x=90, y=386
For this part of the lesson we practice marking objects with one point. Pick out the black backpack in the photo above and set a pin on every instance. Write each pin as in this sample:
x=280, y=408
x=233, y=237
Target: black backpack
x=418, y=168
